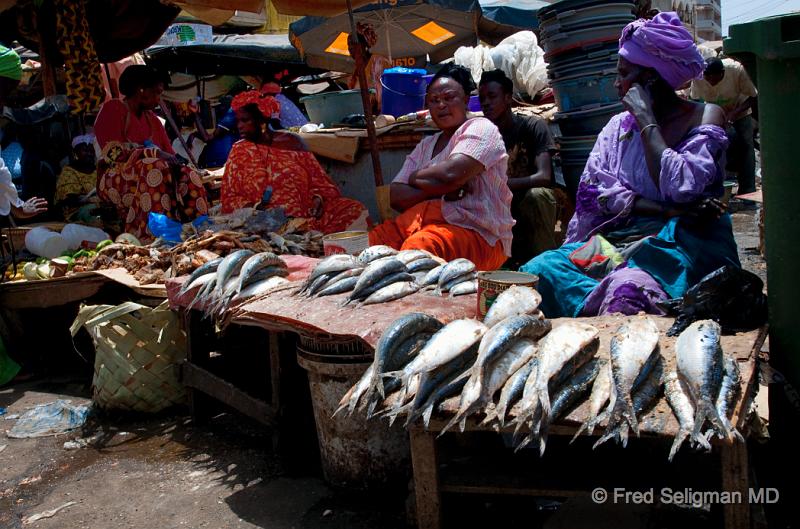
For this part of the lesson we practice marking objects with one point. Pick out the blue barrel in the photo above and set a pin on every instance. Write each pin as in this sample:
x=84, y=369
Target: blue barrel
x=403, y=91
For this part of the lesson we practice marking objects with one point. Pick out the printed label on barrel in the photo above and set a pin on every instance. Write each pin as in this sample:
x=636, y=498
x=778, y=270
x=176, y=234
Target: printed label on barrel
x=331, y=249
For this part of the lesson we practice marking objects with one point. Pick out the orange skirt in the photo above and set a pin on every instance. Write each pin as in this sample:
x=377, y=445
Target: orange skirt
x=423, y=227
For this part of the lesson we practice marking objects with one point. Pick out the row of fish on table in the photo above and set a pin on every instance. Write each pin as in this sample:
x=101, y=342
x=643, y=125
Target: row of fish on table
x=516, y=369
x=380, y=274
x=240, y=275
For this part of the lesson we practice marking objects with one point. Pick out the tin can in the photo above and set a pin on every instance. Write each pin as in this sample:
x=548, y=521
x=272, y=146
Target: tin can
x=491, y=284
x=352, y=242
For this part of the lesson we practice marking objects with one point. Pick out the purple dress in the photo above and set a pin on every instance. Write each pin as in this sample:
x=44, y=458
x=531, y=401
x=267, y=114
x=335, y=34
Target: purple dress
x=668, y=256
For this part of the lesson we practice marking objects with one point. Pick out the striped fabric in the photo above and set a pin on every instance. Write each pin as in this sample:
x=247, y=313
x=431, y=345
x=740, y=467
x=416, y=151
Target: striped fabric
x=486, y=208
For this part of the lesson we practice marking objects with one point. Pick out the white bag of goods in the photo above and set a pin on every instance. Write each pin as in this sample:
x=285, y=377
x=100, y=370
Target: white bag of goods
x=75, y=234
x=45, y=243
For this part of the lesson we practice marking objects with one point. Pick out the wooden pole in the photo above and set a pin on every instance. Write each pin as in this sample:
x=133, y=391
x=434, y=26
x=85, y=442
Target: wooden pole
x=177, y=130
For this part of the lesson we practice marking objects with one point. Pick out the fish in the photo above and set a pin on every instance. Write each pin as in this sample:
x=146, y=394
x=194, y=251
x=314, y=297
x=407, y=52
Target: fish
x=455, y=268
x=511, y=302
x=374, y=272
x=432, y=277
x=206, y=268
x=198, y=282
x=464, y=288
x=644, y=396
x=728, y=393
x=504, y=335
x=486, y=380
x=449, y=387
x=409, y=256
x=339, y=287
x=561, y=351
x=333, y=263
x=633, y=346
x=201, y=296
x=564, y=397
x=398, y=332
x=319, y=283
x=683, y=409
x=230, y=266
x=512, y=390
x=600, y=395
x=469, y=276
x=422, y=265
x=375, y=252
x=448, y=343
x=260, y=287
x=395, y=277
x=392, y=292
x=350, y=399
x=256, y=263
x=700, y=364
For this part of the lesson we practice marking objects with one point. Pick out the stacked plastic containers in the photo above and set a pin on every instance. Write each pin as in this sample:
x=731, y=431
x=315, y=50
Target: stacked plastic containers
x=580, y=39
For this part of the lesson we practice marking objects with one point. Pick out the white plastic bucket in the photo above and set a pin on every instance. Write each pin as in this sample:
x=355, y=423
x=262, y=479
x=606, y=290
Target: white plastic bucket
x=352, y=242
x=45, y=243
x=75, y=234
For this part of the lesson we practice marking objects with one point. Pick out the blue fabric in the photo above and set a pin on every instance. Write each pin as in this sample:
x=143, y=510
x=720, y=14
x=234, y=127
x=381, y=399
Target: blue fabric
x=12, y=156
x=678, y=257
x=291, y=116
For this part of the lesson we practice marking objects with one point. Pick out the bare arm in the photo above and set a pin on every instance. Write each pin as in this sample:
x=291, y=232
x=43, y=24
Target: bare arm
x=450, y=175
x=543, y=177
x=404, y=196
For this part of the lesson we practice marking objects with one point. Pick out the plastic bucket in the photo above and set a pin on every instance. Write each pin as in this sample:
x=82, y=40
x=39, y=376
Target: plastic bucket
x=403, y=91
x=554, y=28
x=572, y=93
x=586, y=51
x=352, y=242
x=355, y=453
x=570, y=9
x=586, y=122
x=332, y=107
x=584, y=65
x=491, y=284
x=569, y=40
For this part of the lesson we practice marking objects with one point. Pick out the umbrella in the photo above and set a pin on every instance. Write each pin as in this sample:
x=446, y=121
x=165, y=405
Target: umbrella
x=408, y=31
x=502, y=18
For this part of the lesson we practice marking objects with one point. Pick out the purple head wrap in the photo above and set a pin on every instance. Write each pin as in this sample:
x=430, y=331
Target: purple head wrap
x=664, y=45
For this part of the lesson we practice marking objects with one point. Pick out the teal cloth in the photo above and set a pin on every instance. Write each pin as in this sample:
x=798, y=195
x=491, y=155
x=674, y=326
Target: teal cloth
x=677, y=257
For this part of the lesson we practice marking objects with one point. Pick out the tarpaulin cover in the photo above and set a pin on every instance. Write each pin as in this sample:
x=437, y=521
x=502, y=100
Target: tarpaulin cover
x=53, y=418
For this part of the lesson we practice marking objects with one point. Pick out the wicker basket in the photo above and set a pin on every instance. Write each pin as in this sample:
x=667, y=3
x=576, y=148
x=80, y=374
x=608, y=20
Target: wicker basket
x=139, y=351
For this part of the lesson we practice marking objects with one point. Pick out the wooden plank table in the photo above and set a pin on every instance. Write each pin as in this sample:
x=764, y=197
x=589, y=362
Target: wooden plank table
x=659, y=423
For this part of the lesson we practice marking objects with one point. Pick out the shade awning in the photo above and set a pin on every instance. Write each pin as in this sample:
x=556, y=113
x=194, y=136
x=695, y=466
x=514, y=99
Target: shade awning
x=316, y=8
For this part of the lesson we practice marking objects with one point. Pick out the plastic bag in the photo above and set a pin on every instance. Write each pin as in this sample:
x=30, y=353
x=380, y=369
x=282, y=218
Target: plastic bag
x=52, y=418
x=168, y=229
x=731, y=296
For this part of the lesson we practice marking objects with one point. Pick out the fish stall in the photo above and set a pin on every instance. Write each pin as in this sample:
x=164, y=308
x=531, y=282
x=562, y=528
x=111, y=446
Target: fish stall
x=394, y=342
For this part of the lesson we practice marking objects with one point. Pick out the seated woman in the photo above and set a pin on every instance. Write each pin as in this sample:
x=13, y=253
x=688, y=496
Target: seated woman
x=646, y=224
x=452, y=191
x=76, y=184
x=138, y=171
x=265, y=159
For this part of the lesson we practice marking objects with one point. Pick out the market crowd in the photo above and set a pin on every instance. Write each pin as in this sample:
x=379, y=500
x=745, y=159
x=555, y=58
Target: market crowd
x=645, y=225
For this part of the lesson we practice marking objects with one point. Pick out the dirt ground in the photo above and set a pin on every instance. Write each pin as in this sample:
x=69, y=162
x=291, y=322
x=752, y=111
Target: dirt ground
x=166, y=472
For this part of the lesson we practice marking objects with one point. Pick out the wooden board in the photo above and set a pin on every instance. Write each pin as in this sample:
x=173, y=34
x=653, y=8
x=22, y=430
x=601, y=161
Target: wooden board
x=50, y=292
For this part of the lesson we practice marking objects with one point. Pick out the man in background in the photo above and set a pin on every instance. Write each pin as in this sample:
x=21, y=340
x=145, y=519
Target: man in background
x=726, y=83
x=530, y=170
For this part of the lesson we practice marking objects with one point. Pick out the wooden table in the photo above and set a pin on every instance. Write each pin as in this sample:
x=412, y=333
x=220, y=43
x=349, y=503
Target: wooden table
x=657, y=425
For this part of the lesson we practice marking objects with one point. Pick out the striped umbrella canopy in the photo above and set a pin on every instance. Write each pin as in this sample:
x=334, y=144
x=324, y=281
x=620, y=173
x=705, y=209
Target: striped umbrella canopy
x=408, y=32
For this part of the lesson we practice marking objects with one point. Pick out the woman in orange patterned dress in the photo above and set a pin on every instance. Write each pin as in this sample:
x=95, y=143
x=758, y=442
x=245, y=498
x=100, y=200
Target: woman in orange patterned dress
x=138, y=171
x=264, y=159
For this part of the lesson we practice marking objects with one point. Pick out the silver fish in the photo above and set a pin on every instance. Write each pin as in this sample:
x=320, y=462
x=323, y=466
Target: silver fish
x=319, y=283
x=375, y=252
x=338, y=287
x=255, y=263
x=511, y=302
x=333, y=263
x=408, y=256
x=700, y=365
x=633, y=346
x=422, y=265
x=448, y=388
x=206, y=268
x=445, y=287
x=504, y=335
x=432, y=277
x=264, y=273
x=397, y=359
x=202, y=295
x=374, y=272
x=644, y=396
x=512, y=390
x=464, y=288
x=390, y=279
x=230, y=266
x=198, y=282
x=256, y=289
x=392, y=292
x=683, y=408
x=728, y=393
x=564, y=397
x=354, y=394
x=601, y=393
x=455, y=268
x=565, y=348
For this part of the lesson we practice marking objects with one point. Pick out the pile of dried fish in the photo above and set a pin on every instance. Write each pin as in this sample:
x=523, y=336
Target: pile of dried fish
x=514, y=369
x=380, y=274
x=241, y=275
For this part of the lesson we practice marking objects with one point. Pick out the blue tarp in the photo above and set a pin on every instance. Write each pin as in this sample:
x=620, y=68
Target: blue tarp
x=516, y=13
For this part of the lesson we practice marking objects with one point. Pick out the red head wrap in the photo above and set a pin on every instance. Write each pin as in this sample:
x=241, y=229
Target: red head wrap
x=267, y=105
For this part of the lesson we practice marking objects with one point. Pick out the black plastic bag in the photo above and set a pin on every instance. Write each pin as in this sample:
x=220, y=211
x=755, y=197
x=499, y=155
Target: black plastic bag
x=731, y=296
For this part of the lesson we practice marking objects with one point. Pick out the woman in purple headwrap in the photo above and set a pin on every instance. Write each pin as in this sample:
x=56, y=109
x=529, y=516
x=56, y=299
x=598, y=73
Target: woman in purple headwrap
x=647, y=223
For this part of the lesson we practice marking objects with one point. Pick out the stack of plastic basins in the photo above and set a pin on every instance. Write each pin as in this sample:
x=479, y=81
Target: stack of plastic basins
x=580, y=40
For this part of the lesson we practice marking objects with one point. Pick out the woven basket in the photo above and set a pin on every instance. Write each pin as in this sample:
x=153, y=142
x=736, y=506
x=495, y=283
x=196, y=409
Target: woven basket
x=139, y=350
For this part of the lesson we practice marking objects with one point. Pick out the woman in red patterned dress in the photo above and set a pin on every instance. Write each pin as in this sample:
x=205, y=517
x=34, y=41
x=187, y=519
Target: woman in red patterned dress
x=138, y=171
x=263, y=159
